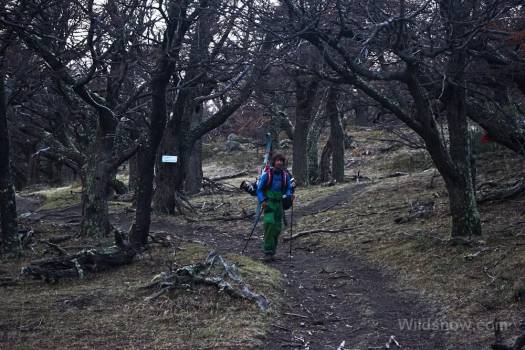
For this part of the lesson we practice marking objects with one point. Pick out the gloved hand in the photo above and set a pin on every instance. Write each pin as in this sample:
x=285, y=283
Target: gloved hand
x=264, y=204
x=290, y=197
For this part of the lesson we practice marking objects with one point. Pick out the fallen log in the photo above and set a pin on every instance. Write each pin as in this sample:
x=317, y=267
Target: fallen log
x=396, y=174
x=215, y=185
x=309, y=232
x=515, y=190
x=213, y=271
x=231, y=176
x=60, y=239
x=76, y=265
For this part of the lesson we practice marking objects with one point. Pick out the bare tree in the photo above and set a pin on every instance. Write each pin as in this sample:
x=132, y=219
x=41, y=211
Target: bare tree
x=178, y=21
x=208, y=77
x=426, y=48
x=8, y=217
x=99, y=164
x=337, y=136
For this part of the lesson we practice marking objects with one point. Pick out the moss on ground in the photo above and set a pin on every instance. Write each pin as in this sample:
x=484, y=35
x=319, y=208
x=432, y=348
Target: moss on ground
x=59, y=197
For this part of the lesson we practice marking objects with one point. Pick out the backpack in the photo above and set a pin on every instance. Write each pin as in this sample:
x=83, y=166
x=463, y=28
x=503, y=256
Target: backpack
x=269, y=180
x=251, y=187
x=287, y=201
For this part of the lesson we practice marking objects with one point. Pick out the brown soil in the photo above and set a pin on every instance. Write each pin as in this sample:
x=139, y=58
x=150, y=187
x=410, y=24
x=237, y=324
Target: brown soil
x=331, y=298
x=354, y=287
x=328, y=298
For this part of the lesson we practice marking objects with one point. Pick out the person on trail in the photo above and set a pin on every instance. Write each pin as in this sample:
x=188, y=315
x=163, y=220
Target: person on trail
x=274, y=185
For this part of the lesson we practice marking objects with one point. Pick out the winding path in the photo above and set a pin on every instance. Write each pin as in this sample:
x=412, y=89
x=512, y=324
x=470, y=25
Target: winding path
x=334, y=298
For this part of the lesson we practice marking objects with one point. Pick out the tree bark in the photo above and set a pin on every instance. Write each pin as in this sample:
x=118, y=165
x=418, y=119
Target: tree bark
x=463, y=207
x=362, y=115
x=95, y=189
x=275, y=130
x=133, y=173
x=306, y=90
x=193, y=174
x=337, y=136
x=502, y=128
x=454, y=165
x=462, y=196
x=7, y=190
x=314, y=135
x=169, y=177
x=180, y=136
x=147, y=154
x=326, y=155
x=97, y=175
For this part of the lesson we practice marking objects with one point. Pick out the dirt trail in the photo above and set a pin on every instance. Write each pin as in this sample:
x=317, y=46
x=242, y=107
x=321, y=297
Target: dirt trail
x=334, y=298
x=328, y=298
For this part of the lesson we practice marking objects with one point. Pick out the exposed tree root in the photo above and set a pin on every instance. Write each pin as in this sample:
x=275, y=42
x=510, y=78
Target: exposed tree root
x=508, y=192
x=182, y=204
x=213, y=271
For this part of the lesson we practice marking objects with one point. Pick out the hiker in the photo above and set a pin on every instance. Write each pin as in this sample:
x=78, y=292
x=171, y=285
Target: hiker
x=274, y=184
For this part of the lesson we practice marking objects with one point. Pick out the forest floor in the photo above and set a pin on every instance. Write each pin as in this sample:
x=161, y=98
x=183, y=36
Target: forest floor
x=373, y=280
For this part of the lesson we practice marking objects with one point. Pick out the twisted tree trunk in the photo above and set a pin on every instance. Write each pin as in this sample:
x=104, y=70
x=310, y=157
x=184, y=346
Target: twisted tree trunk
x=7, y=190
x=193, y=174
x=147, y=154
x=305, y=101
x=326, y=155
x=463, y=206
x=337, y=136
x=95, y=187
x=314, y=135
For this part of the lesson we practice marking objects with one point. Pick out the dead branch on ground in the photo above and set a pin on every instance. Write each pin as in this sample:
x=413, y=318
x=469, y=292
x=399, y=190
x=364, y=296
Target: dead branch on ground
x=215, y=271
x=226, y=177
x=213, y=186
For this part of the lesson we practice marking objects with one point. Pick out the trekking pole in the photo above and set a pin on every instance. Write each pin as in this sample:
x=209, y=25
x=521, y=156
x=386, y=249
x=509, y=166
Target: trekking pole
x=291, y=232
x=259, y=212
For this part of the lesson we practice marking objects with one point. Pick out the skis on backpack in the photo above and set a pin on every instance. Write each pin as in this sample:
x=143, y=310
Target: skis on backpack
x=265, y=167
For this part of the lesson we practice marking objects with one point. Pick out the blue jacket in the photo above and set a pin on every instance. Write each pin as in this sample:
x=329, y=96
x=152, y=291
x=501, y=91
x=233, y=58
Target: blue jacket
x=274, y=186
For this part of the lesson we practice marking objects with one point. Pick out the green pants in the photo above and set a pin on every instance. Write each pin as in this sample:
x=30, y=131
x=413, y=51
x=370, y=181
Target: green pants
x=273, y=221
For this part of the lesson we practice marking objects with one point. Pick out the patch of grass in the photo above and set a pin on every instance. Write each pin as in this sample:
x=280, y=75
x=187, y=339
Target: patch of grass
x=108, y=308
x=409, y=161
x=60, y=197
x=486, y=285
x=267, y=279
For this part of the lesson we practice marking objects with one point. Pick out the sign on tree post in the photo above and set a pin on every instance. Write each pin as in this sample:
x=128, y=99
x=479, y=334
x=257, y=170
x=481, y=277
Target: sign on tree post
x=169, y=159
